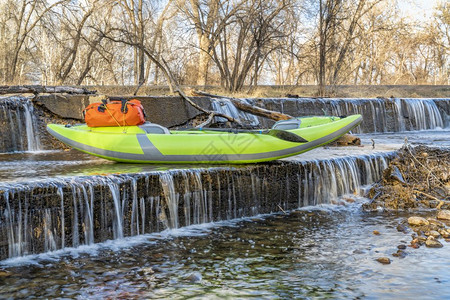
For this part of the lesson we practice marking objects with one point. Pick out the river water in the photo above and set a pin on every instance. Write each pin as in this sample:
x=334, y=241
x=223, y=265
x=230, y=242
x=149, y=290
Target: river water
x=320, y=252
x=325, y=252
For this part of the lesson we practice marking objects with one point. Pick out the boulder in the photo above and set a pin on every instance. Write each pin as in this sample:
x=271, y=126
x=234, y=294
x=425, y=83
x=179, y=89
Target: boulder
x=436, y=222
x=433, y=233
x=384, y=260
x=347, y=140
x=444, y=215
x=418, y=221
x=433, y=243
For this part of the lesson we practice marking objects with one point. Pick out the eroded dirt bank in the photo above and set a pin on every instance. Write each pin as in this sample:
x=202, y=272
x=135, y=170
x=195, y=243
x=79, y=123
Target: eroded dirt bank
x=418, y=178
x=417, y=183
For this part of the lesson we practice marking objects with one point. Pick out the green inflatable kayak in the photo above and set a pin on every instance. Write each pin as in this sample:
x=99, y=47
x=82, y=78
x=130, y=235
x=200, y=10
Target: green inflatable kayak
x=152, y=143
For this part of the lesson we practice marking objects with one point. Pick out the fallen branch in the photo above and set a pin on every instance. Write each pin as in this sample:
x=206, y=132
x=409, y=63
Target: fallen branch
x=441, y=202
x=424, y=167
x=39, y=89
x=209, y=120
x=426, y=195
x=282, y=209
x=211, y=114
x=258, y=111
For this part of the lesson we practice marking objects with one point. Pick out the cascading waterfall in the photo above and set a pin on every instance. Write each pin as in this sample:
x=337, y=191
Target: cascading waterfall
x=172, y=199
x=421, y=113
x=19, y=125
x=225, y=106
x=74, y=211
x=117, y=224
x=379, y=115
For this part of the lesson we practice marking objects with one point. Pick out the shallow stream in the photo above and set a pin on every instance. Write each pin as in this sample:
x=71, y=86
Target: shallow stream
x=325, y=252
x=322, y=252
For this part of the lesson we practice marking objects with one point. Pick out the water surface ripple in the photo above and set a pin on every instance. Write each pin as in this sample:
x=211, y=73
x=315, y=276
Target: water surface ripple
x=317, y=252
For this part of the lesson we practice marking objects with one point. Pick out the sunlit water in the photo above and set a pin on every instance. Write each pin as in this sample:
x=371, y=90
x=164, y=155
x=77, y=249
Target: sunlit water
x=317, y=252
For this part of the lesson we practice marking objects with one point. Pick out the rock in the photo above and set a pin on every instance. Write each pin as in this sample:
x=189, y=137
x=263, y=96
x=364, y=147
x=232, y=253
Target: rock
x=347, y=140
x=396, y=175
x=4, y=273
x=402, y=228
x=435, y=222
x=444, y=215
x=433, y=227
x=433, y=243
x=421, y=239
x=400, y=254
x=194, y=277
x=430, y=203
x=417, y=221
x=433, y=233
x=376, y=232
x=384, y=260
x=415, y=243
x=402, y=247
x=444, y=233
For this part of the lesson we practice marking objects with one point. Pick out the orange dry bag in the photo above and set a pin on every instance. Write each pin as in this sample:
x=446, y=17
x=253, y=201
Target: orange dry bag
x=114, y=113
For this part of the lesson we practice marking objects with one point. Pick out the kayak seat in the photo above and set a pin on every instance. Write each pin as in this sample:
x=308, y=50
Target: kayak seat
x=287, y=124
x=154, y=128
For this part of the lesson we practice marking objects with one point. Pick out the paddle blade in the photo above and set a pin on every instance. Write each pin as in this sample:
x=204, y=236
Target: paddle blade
x=287, y=136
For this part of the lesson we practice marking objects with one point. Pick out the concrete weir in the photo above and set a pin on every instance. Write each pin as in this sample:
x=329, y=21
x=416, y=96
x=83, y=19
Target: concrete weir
x=24, y=120
x=59, y=211
x=55, y=213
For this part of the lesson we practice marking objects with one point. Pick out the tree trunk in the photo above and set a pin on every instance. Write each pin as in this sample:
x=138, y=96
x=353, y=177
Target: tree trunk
x=38, y=89
x=203, y=62
x=322, y=55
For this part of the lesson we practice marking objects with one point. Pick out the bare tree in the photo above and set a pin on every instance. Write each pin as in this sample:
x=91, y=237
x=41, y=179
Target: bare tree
x=252, y=33
x=75, y=20
x=232, y=43
x=26, y=15
x=209, y=18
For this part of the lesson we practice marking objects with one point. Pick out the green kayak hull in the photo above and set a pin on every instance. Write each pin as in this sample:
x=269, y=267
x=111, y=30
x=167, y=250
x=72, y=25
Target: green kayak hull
x=132, y=144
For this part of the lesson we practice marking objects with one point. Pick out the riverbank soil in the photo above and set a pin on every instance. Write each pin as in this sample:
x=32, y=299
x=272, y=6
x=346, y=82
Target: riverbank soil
x=417, y=182
x=418, y=178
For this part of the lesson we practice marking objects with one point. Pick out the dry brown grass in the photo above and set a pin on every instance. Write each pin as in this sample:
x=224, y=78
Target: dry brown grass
x=344, y=91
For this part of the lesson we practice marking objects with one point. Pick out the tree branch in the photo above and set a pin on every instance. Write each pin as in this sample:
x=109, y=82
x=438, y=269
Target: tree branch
x=39, y=89
x=258, y=111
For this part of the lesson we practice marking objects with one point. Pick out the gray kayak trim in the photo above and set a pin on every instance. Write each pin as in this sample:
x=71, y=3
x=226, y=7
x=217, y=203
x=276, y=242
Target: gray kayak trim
x=152, y=154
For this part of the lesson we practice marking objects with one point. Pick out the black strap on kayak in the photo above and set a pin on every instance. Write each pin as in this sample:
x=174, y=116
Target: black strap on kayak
x=280, y=134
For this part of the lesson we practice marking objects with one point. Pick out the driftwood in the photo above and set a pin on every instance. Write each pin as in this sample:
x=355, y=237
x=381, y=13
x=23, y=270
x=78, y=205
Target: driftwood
x=258, y=111
x=347, y=140
x=39, y=89
x=211, y=114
